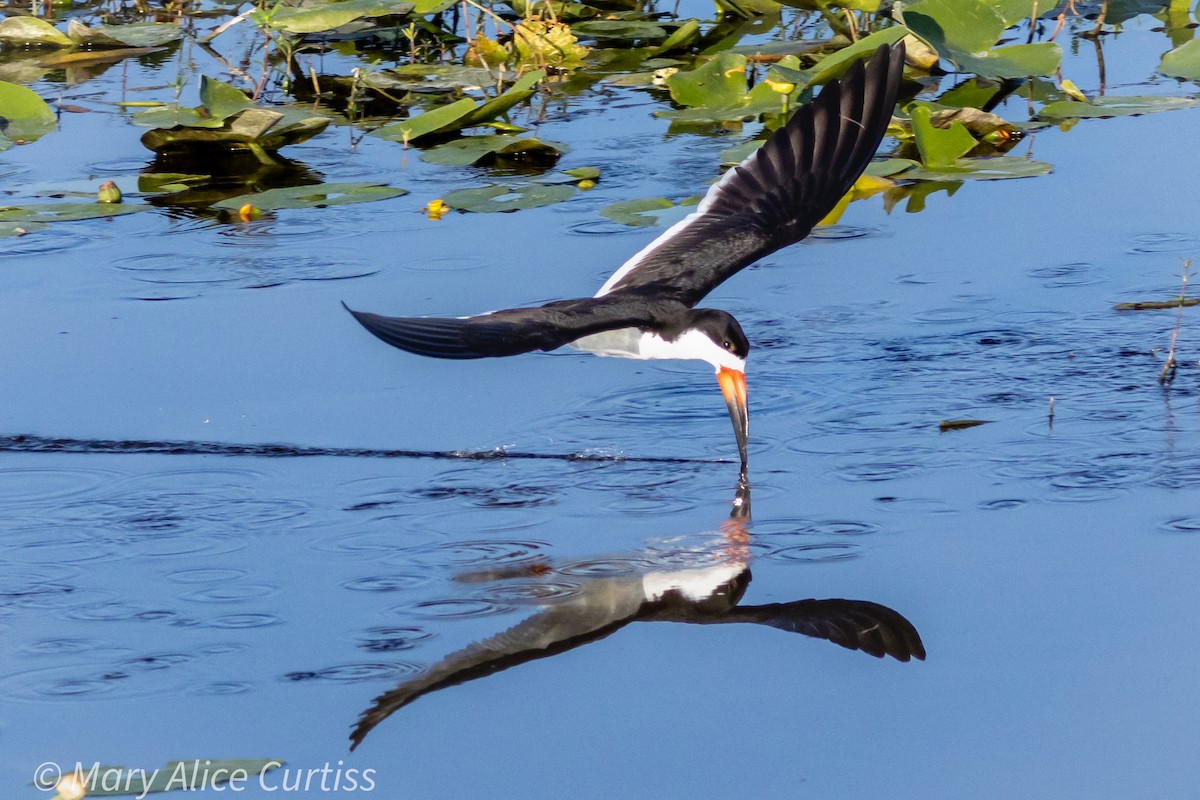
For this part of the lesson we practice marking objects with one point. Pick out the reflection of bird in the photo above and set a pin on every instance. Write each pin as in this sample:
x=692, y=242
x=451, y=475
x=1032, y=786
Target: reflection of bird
x=705, y=594
x=646, y=309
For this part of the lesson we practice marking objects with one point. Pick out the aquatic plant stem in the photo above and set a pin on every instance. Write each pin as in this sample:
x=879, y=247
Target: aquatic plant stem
x=1168, y=371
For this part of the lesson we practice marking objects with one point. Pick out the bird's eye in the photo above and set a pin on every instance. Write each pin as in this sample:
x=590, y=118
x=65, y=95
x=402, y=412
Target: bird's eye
x=729, y=345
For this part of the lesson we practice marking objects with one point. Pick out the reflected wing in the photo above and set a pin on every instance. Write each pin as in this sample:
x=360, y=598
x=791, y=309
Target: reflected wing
x=854, y=624
x=513, y=331
x=604, y=607
x=776, y=196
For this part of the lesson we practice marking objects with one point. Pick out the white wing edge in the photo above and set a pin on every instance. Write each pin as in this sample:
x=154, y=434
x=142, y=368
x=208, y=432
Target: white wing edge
x=705, y=203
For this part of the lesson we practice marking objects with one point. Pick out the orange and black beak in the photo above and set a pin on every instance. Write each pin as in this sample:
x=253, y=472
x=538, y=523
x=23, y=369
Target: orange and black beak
x=733, y=386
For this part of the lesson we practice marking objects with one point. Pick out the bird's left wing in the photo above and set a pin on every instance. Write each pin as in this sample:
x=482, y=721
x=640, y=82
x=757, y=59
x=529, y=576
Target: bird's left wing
x=774, y=197
x=512, y=331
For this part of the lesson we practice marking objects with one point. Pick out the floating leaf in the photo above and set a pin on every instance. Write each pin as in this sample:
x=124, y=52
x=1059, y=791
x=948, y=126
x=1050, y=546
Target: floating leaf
x=316, y=196
x=634, y=212
x=1183, y=62
x=491, y=199
x=332, y=15
x=960, y=424
x=215, y=774
x=134, y=34
x=220, y=99
x=9, y=229
x=938, y=147
x=682, y=38
x=1157, y=305
x=584, y=173
x=720, y=83
x=87, y=58
x=28, y=31
x=980, y=169
x=636, y=30
x=473, y=149
x=24, y=116
x=438, y=120
x=1114, y=107
x=66, y=212
x=965, y=32
x=255, y=129
x=518, y=93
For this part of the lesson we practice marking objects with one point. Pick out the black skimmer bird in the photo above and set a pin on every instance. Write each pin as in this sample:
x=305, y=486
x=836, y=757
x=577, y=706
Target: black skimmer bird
x=646, y=310
x=701, y=585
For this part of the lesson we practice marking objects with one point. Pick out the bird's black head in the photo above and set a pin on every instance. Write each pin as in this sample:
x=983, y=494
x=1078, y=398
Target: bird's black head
x=722, y=328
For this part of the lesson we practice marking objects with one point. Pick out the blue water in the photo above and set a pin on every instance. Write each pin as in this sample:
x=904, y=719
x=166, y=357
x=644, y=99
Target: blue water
x=180, y=606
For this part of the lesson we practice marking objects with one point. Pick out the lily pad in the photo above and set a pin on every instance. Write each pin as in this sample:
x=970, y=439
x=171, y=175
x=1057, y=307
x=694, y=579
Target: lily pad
x=329, y=16
x=1114, y=107
x=24, y=116
x=1183, y=62
x=473, y=149
x=965, y=32
x=316, y=196
x=634, y=212
x=220, y=99
x=980, y=169
x=939, y=147
x=10, y=229
x=630, y=30
x=491, y=199
x=259, y=130
x=31, y=31
x=134, y=34
x=66, y=212
x=719, y=83
x=462, y=113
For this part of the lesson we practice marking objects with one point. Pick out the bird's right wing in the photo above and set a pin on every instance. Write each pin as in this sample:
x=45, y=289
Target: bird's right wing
x=854, y=624
x=776, y=196
x=512, y=331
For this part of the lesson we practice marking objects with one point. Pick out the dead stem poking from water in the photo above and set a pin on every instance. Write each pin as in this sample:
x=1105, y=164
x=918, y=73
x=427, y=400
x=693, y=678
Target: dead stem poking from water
x=28, y=443
x=1168, y=371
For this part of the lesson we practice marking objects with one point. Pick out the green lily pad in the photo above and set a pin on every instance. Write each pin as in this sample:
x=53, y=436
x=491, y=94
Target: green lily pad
x=329, y=16
x=214, y=774
x=31, y=31
x=1113, y=107
x=492, y=199
x=835, y=65
x=220, y=99
x=473, y=149
x=939, y=147
x=462, y=113
x=518, y=93
x=719, y=83
x=634, y=213
x=24, y=116
x=682, y=38
x=442, y=119
x=630, y=30
x=316, y=196
x=583, y=173
x=134, y=34
x=10, y=229
x=965, y=32
x=259, y=130
x=889, y=167
x=1182, y=62
x=67, y=212
x=980, y=169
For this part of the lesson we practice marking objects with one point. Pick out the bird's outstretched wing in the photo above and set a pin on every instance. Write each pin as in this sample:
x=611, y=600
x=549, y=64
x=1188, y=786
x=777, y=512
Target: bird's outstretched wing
x=515, y=330
x=854, y=624
x=776, y=196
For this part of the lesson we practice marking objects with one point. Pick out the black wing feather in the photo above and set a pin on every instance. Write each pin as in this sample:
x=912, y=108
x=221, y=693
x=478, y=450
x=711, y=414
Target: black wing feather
x=516, y=330
x=776, y=196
